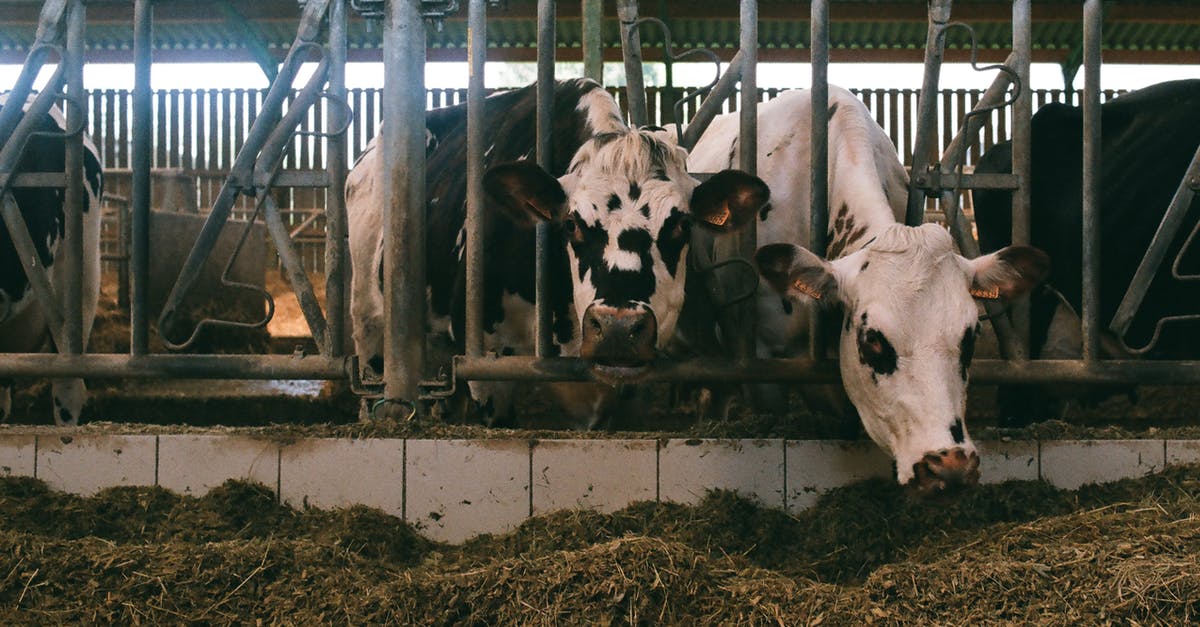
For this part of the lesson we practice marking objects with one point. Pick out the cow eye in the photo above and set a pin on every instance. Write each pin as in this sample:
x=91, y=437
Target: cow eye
x=573, y=228
x=683, y=228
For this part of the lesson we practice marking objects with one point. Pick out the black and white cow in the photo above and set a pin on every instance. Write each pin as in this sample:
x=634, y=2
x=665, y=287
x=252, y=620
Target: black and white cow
x=22, y=321
x=1148, y=139
x=909, y=320
x=621, y=206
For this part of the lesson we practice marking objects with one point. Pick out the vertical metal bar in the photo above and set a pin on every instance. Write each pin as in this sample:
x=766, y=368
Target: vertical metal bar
x=939, y=15
x=1092, y=30
x=593, y=45
x=403, y=151
x=336, y=268
x=1022, y=149
x=748, y=159
x=73, y=196
x=476, y=58
x=818, y=218
x=139, y=256
x=631, y=49
x=545, y=158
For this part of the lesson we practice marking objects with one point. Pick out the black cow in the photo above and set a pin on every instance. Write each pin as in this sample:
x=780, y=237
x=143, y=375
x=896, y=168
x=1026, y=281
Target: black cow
x=1148, y=139
x=621, y=206
x=22, y=321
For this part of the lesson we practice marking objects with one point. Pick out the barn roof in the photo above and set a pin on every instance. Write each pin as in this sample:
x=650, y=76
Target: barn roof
x=1153, y=31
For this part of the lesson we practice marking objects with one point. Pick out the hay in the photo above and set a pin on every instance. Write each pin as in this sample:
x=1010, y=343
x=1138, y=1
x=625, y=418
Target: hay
x=1021, y=552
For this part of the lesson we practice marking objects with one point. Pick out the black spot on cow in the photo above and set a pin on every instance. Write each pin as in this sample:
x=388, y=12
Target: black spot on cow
x=588, y=243
x=956, y=431
x=635, y=190
x=671, y=239
x=64, y=415
x=833, y=109
x=645, y=210
x=967, y=352
x=660, y=175
x=762, y=213
x=876, y=351
x=864, y=266
x=614, y=202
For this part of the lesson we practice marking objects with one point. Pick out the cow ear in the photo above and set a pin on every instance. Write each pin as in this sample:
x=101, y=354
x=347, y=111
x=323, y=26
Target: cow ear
x=797, y=273
x=526, y=192
x=1009, y=272
x=729, y=199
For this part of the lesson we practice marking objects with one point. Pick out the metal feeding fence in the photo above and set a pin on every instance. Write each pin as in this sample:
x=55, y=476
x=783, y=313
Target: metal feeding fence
x=276, y=150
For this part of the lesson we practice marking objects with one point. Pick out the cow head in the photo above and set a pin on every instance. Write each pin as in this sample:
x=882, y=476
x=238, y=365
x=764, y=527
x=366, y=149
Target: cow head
x=625, y=209
x=908, y=336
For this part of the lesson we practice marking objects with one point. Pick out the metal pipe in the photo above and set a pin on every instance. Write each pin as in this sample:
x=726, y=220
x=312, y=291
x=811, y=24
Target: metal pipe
x=336, y=268
x=73, y=195
x=178, y=366
x=476, y=58
x=545, y=158
x=1022, y=151
x=402, y=143
x=818, y=217
x=939, y=16
x=139, y=255
x=631, y=51
x=995, y=94
x=1092, y=29
x=747, y=239
x=714, y=101
x=593, y=43
x=294, y=268
x=526, y=368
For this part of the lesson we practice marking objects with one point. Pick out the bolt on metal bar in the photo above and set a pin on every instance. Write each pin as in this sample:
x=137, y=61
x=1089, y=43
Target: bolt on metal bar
x=139, y=255
x=927, y=122
x=593, y=43
x=545, y=158
x=73, y=195
x=403, y=150
x=1022, y=151
x=1092, y=31
x=476, y=60
x=714, y=101
x=631, y=51
x=818, y=217
x=336, y=268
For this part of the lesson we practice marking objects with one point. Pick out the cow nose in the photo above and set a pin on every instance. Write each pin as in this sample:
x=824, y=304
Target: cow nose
x=947, y=469
x=619, y=336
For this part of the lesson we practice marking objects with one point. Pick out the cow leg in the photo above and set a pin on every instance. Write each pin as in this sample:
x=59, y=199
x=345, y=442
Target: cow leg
x=69, y=397
x=5, y=400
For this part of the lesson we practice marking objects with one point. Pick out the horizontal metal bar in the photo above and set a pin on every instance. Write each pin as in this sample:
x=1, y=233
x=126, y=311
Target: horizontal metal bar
x=122, y=366
x=301, y=178
x=526, y=368
x=39, y=179
x=947, y=181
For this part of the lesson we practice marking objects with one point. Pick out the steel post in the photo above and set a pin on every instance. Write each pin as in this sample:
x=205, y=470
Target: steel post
x=402, y=144
x=476, y=58
x=73, y=195
x=818, y=218
x=593, y=43
x=336, y=268
x=631, y=51
x=747, y=238
x=143, y=123
x=927, y=121
x=545, y=158
x=1092, y=30
x=1022, y=151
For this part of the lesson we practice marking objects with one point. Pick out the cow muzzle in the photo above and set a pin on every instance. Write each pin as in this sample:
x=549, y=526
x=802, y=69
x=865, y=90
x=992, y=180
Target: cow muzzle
x=619, y=341
x=945, y=470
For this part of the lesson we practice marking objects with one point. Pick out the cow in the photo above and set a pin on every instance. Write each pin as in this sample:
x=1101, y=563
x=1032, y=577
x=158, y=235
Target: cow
x=22, y=321
x=1148, y=139
x=620, y=205
x=908, y=317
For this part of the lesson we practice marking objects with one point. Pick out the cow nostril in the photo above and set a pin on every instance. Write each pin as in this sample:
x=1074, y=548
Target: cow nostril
x=596, y=327
x=637, y=328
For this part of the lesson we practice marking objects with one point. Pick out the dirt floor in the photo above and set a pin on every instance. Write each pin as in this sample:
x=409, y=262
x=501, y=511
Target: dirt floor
x=1020, y=552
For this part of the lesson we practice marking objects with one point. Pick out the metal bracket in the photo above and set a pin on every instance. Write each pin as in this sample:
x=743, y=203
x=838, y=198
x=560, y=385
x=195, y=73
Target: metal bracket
x=434, y=10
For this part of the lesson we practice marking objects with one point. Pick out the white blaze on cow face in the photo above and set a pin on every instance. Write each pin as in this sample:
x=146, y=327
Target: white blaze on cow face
x=910, y=321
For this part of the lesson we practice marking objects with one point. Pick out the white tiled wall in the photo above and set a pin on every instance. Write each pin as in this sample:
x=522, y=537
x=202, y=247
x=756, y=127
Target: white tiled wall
x=455, y=489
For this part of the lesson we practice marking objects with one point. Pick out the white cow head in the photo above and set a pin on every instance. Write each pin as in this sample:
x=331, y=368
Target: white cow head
x=908, y=336
x=625, y=209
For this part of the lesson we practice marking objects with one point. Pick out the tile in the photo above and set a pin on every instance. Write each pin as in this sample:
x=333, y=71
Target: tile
x=17, y=455
x=687, y=469
x=816, y=466
x=1001, y=461
x=194, y=464
x=457, y=489
x=1183, y=452
x=1072, y=463
x=605, y=475
x=87, y=463
x=328, y=473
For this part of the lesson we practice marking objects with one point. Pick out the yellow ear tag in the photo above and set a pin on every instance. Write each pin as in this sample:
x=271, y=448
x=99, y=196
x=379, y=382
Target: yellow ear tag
x=991, y=294
x=719, y=219
x=803, y=288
